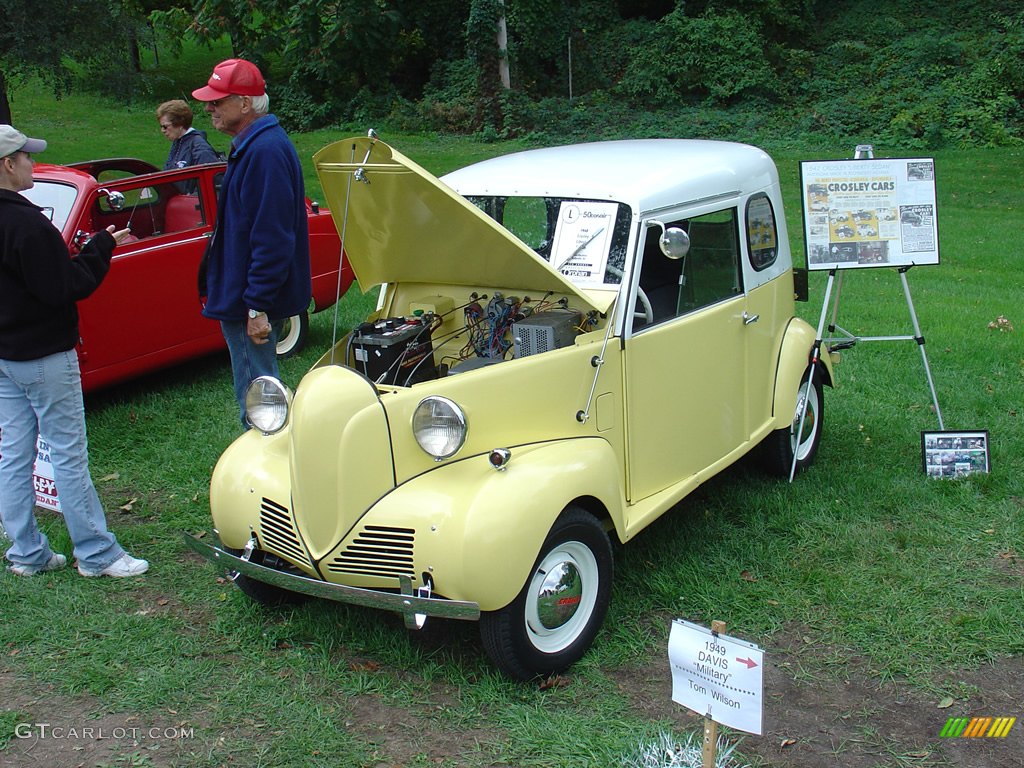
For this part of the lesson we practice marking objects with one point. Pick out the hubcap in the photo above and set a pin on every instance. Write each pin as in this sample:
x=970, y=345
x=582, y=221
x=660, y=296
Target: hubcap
x=559, y=596
x=802, y=441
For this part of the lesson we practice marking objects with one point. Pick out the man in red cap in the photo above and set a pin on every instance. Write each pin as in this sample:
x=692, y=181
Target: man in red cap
x=256, y=271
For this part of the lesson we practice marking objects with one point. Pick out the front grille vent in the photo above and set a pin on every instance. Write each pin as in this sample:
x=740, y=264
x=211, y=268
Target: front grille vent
x=278, y=534
x=378, y=550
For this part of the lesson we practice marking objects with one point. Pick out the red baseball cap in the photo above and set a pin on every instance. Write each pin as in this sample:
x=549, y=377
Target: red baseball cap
x=234, y=77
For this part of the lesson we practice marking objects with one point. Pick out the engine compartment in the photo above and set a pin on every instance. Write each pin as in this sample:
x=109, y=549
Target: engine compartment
x=438, y=337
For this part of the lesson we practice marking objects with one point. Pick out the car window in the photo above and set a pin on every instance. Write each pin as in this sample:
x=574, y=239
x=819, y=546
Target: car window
x=712, y=272
x=762, y=236
x=584, y=239
x=55, y=199
x=150, y=210
x=709, y=273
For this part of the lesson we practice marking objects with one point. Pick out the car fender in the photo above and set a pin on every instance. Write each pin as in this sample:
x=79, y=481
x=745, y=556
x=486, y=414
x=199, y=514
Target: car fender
x=479, y=530
x=794, y=357
x=251, y=462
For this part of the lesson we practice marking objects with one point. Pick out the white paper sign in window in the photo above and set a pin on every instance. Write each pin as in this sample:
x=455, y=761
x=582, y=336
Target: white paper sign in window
x=583, y=237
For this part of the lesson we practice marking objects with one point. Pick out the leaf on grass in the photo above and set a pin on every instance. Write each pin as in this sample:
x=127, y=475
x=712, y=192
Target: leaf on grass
x=555, y=681
x=989, y=530
x=364, y=666
x=747, y=576
x=945, y=703
x=111, y=476
x=162, y=601
x=127, y=506
x=787, y=743
x=1008, y=555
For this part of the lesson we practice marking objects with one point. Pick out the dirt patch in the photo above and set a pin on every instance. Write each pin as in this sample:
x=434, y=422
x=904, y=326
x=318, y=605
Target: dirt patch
x=402, y=737
x=74, y=732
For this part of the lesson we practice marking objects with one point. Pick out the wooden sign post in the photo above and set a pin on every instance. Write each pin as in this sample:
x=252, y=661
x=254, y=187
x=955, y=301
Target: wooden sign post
x=710, y=726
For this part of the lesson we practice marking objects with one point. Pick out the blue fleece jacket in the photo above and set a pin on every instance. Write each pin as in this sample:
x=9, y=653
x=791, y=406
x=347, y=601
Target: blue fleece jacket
x=259, y=255
x=191, y=148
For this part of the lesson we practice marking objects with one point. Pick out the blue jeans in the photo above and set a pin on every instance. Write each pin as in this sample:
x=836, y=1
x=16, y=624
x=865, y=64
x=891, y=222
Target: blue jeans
x=44, y=396
x=248, y=360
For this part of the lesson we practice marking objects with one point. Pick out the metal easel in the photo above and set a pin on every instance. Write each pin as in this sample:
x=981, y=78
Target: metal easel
x=847, y=340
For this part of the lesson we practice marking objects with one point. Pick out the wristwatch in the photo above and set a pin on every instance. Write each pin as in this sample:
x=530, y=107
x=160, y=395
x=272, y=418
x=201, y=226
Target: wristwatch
x=254, y=313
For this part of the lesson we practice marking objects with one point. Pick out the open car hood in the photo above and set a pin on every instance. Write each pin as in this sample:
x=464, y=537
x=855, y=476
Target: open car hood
x=400, y=223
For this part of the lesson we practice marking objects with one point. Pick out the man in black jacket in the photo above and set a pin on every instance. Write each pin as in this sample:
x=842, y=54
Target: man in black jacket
x=40, y=383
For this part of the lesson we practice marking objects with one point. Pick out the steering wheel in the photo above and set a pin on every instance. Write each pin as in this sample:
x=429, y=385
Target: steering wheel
x=647, y=315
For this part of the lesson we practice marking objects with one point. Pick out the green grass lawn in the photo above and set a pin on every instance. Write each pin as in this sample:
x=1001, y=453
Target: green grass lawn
x=862, y=556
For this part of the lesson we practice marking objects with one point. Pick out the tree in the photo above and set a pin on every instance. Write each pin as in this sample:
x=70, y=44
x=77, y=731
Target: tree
x=42, y=38
x=329, y=54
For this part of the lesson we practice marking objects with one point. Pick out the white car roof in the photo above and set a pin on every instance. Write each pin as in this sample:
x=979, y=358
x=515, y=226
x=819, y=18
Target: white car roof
x=647, y=174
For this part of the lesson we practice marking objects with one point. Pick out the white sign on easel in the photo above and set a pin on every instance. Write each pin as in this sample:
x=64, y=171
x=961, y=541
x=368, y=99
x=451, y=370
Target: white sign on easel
x=869, y=213
x=717, y=676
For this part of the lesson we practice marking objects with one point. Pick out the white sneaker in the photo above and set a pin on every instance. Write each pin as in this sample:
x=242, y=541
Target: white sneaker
x=55, y=563
x=125, y=565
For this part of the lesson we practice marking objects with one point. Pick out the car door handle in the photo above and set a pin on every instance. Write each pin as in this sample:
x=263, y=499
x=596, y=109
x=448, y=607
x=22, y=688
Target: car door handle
x=749, y=319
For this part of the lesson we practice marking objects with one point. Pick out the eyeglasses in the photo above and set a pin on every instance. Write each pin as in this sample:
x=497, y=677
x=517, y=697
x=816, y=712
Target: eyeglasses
x=217, y=102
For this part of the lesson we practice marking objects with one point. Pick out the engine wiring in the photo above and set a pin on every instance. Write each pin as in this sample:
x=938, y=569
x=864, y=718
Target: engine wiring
x=487, y=328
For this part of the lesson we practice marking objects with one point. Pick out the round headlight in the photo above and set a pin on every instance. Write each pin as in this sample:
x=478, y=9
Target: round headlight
x=439, y=427
x=266, y=404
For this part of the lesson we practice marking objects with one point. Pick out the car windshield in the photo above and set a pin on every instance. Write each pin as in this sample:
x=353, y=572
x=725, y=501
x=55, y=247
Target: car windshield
x=583, y=239
x=55, y=199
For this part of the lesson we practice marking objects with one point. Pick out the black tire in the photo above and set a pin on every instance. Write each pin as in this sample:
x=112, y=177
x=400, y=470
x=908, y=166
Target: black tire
x=292, y=335
x=778, y=448
x=261, y=592
x=558, y=612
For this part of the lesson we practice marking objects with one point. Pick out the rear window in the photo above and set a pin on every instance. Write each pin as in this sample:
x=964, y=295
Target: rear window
x=762, y=234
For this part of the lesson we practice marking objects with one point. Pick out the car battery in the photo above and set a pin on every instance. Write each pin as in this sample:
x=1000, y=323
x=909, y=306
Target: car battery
x=397, y=350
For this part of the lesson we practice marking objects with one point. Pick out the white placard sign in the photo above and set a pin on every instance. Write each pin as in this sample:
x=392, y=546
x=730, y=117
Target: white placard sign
x=42, y=478
x=869, y=213
x=717, y=676
x=583, y=237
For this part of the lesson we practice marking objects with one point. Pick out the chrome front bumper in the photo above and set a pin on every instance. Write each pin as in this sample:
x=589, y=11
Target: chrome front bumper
x=410, y=603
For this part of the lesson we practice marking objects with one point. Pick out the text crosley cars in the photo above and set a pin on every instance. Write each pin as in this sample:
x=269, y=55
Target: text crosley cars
x=568, y=342
x=146, y=314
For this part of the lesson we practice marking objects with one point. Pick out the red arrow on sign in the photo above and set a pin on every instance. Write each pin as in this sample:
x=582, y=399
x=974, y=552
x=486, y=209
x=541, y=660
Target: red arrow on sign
x=749, y=662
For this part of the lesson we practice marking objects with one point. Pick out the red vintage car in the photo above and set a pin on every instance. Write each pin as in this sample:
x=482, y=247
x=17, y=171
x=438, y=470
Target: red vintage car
x=146, y=314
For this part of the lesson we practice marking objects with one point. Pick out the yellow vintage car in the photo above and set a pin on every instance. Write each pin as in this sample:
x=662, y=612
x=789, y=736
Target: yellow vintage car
x=568, y=341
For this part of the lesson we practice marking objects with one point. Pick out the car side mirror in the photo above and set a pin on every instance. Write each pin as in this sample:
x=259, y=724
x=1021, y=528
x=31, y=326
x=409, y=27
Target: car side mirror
x=674, y=242
x=114, y=199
